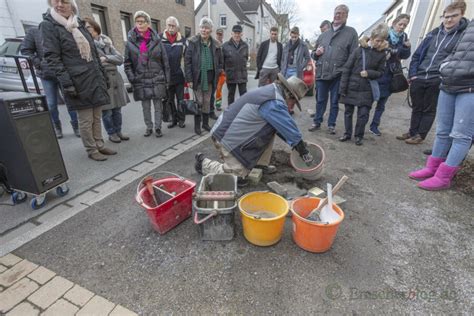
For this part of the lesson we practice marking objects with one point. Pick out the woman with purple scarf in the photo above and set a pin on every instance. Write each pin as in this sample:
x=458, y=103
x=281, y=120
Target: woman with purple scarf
x=147, y=68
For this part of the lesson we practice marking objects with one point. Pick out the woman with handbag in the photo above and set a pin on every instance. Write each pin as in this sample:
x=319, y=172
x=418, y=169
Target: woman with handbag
x=424, y=71
x=365, y=64
x=392, y=80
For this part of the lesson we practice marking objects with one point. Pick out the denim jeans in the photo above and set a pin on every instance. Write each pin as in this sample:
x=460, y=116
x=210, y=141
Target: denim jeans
x=324, y=87
x=290, y=72
x=51, y=89
x=455, y=127
x=112, y=120
x=379, y=109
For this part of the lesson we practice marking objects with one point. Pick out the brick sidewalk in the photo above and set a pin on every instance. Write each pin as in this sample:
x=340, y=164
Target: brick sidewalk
x=28, y=289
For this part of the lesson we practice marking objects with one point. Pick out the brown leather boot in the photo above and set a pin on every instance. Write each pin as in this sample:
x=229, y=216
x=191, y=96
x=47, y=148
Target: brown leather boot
x=107, y=151
x=97, y=156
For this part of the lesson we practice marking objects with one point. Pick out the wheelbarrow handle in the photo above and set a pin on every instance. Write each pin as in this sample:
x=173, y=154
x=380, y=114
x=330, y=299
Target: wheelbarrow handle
x=138, y=198
x=196, y=221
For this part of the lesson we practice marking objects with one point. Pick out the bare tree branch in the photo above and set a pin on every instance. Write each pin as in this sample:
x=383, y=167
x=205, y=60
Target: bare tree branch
x=287, y=12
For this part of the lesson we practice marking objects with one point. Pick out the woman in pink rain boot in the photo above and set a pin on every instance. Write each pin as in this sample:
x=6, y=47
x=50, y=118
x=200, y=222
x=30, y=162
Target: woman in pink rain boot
x=455, y=117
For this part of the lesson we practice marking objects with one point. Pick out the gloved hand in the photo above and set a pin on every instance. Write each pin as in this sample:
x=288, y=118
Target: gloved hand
x=70, y=91
x=304, y=152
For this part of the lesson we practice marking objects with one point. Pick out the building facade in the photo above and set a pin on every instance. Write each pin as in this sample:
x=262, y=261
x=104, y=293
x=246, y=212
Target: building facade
x=16, y=16
x=116, y=16
x=255, y=16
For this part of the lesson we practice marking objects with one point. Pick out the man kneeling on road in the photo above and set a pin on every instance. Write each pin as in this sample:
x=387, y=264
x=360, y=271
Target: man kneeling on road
x=245, y=132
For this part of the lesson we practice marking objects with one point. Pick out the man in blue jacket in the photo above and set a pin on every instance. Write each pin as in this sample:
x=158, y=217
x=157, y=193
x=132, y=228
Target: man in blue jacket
x=245, y=132
x=424, y=73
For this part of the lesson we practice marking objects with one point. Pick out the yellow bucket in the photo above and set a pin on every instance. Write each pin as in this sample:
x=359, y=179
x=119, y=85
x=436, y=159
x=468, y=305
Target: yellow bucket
x=258, y=229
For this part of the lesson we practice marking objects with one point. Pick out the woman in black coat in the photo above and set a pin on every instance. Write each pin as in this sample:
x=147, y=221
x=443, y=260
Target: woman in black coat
x=70, y=52
x=147, y=68
x=355, y=87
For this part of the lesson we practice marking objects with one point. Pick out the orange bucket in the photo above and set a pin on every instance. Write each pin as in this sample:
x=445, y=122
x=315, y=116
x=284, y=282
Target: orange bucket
x=310, y=235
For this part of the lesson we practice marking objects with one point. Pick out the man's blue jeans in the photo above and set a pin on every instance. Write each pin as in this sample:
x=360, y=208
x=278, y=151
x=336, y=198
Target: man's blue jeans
x=324, y=88
x=455, y=127
x=112, y=120
x=51, y=90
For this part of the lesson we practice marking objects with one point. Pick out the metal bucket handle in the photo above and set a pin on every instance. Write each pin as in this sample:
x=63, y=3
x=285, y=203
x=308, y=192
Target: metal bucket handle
x=196, y=221
x=139, y=187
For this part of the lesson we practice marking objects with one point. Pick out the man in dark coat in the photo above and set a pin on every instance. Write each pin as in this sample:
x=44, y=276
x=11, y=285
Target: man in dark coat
x=202, y=66
x=236, y=54
x=269, y=59
x=32, y=46
x=333, y=48
x=175, y=45
x=77, y=66
x=424, y=71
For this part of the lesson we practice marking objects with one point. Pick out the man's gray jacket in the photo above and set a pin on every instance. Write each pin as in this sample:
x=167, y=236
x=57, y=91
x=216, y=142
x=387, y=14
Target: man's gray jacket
x=338, y=46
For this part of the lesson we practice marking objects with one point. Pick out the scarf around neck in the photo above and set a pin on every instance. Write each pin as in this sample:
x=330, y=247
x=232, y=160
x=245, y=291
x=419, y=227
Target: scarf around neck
x=394, y=36
x=291, y=52
x=171, y=38
x=72, y=26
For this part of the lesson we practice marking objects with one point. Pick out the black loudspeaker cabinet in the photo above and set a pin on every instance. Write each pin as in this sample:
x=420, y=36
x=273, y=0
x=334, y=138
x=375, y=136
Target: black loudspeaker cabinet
x=28, y=145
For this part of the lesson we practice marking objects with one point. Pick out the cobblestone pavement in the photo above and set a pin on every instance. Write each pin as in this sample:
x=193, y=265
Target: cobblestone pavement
x=29, y=289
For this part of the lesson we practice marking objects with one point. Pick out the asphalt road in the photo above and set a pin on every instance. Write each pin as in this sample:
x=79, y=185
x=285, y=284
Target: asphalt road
x=399, y=249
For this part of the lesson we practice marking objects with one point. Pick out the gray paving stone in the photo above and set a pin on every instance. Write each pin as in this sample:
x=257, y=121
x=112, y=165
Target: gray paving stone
x=78, y=295
x=107, y=187
x=143, y=166
x=96, y=306
x=61, y=307
x=188, y=141
x=24, y=309
x=85, y=198
x=122, y=311
x=50, y=292
x=16, y=273
x=16, y=293
x=179, y=146
x=9, y=260
x=41, y=275
x=158, y=160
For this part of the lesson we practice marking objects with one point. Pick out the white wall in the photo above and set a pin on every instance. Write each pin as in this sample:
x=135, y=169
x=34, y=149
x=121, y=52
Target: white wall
x=218, y=9
x=14, y=14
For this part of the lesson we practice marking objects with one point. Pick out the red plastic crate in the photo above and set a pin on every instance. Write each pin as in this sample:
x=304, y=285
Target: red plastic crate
x=168, y=214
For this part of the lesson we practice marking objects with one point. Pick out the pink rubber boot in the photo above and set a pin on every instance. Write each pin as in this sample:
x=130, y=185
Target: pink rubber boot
x=432, y=164
x=441, y=180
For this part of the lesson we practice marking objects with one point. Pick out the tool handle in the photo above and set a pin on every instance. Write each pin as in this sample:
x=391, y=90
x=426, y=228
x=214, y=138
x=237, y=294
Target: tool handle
x=334, y=191
x=196, y=221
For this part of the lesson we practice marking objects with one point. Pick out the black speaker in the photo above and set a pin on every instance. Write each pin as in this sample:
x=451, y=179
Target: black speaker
x=28, y=146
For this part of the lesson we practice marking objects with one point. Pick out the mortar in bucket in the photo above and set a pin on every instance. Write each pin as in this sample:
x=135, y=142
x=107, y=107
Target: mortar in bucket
x=310, y=235
x=170, y=203
x=315, y=170
x=214, y=205
x=263, y=217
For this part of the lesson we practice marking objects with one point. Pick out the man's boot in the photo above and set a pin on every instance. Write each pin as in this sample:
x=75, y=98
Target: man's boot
x=197, y=124
x=58, y=129
x=205, y=122
x=75, y=128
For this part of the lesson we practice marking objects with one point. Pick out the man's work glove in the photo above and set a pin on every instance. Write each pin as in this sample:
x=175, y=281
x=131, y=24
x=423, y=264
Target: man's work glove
x=70, y=92
x=304, y=152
